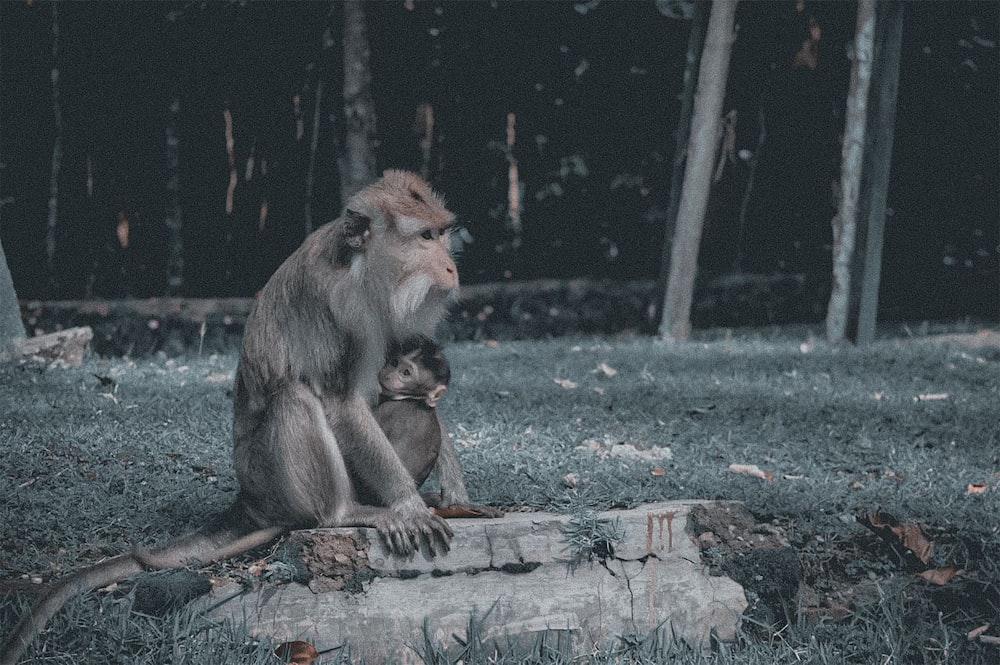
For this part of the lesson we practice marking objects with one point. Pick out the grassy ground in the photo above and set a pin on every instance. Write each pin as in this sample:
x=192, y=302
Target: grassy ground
x=117, y=453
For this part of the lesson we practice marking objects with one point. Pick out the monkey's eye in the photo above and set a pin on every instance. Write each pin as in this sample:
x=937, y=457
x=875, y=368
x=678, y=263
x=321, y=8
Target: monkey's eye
x=427, y=235
x=407, y=372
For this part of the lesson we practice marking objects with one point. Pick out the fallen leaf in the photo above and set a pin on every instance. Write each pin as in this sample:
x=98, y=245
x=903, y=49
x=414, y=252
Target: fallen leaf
x=939, y=576
x=976, y=632
x=571, y=480
x=990, y=639
x=930, y=397
x=701, y=410
x=297, y=652
x=976, y=488
x=908, y=534
x=752, y=470
x=565, y=383
x=492, y=343
x=628, y=450
x=657, y=471
x=218, y=377
x=607, y=370
x=599, y=390
x=458, y=512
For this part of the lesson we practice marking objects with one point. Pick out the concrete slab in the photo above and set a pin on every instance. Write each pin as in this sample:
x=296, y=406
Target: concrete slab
x=513, y=571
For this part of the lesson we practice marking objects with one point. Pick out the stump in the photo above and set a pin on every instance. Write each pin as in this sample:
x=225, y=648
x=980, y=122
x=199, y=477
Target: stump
x=517, y=576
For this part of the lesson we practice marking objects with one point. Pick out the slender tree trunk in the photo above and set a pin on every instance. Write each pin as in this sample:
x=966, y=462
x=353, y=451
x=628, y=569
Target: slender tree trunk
x=313, y=145
x=741, y=234
x=852, y=157
x=878, y=163
x=357, y=165
x=57, y=149
x=423, y=126
x=322, y=64
x=11, y=328
x=696, y=42
x=173, y=220
x=705, y=127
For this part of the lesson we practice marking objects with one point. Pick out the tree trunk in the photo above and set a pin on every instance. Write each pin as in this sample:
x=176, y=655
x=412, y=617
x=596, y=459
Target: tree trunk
x=696, y=41
x=877, y=165
x=357, y=165
x=852, y=157
x=57, y=148
x=714, y=70
x=11, y=328
x=173, y=220
x=328, y=43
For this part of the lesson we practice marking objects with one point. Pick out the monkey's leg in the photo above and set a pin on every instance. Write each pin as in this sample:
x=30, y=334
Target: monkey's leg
x=450, y=477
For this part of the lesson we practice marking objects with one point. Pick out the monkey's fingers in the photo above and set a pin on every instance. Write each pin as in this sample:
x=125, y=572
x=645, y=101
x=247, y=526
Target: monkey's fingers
x=396, y=536
x=436, y=529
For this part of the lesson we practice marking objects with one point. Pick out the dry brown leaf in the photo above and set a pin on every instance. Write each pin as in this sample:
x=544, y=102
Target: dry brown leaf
x=571, y=480
x=930, y=397
x=908, y=534
x=657, y=471
x=460, y=512
x=976, y=632
x=566, y=383
x=606, y=370
x=976, y=488
x=939, y=576
x=990, y=639
x=752, y=470
x=297, y=652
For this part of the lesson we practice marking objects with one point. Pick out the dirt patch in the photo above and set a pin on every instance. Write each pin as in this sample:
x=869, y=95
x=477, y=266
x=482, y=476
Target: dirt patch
x=789, y=576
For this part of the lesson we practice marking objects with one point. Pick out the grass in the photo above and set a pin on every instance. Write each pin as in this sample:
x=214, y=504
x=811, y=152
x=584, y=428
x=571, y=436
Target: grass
x=116, y=453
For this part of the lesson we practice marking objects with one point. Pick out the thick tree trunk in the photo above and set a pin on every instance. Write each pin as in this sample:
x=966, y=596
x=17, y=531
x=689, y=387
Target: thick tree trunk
x=877, y=165
x=57, y=149
x=357, y=165
x=696, y=42
x=852, y=158
x=714, y=71
x=11, y=328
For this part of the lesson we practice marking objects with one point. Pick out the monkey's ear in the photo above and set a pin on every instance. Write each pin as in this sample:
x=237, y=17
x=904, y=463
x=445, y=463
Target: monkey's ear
x=353, y=231
x=434, y=396
x=357, y=229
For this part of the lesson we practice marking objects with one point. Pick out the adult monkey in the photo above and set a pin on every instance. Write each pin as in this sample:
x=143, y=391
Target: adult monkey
x=304, y=437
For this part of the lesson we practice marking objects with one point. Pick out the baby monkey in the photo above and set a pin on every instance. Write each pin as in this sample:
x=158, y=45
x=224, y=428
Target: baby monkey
x=413, y=380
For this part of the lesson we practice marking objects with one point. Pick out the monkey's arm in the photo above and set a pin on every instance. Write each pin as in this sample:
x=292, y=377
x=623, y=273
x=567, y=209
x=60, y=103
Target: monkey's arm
x=372, y=462
x=453, y=492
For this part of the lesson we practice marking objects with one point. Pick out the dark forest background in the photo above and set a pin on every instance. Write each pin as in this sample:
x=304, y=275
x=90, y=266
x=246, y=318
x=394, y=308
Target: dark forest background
x=594, y=92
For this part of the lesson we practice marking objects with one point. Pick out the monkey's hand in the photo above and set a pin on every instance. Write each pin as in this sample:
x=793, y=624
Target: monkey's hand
x=408, y=522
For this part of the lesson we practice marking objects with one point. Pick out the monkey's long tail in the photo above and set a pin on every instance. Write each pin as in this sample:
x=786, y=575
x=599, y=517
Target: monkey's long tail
x=227, y=535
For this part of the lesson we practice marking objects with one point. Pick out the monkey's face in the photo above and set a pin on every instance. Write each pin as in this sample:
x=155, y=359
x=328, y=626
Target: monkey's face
x=416, y=240
x=407, y=378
